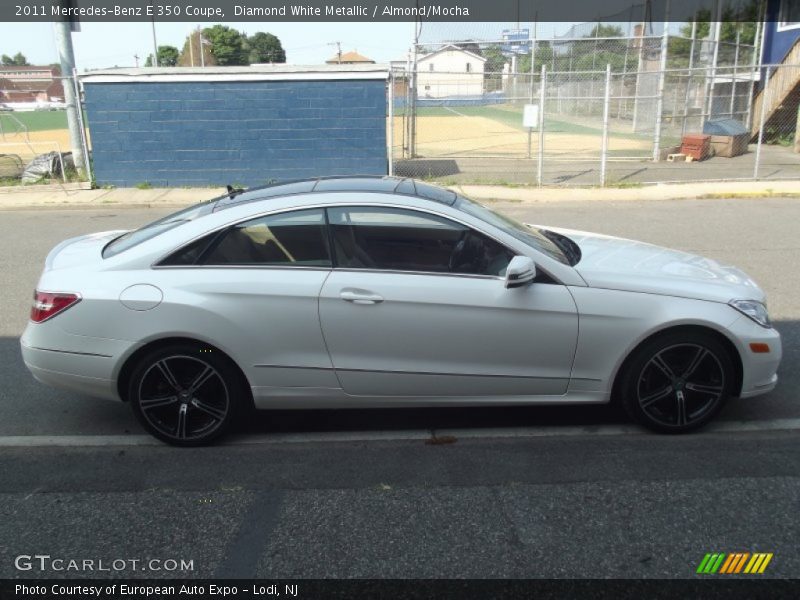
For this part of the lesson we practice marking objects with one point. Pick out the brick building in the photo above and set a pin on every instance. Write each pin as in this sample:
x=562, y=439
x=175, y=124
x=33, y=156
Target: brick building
x=243, y=125
x=30, y=85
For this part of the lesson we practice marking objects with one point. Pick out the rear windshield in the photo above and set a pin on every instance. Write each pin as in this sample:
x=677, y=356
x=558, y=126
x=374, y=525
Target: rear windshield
x=134, y=238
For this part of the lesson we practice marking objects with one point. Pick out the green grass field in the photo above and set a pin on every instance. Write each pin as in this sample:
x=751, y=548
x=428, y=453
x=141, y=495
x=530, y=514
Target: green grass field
x=511, y=116
x=38, y=120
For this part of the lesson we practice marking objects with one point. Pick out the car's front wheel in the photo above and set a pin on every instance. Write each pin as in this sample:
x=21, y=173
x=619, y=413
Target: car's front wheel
x=185, y=395
x=677, y=382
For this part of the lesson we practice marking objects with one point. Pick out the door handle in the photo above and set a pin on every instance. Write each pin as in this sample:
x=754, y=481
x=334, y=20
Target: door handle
x=360, y=297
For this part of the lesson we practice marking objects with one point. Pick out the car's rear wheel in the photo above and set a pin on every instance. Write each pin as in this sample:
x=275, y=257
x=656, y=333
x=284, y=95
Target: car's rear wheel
x=185, y=395
x=677, y=382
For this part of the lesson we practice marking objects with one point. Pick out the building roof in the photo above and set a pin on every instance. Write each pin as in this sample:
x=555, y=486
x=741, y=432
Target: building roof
x=26, y=68
x=451, y=48
x=273, y=72
x=349, y=58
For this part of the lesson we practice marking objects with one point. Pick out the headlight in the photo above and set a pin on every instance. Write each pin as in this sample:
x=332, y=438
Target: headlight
x=753, y=309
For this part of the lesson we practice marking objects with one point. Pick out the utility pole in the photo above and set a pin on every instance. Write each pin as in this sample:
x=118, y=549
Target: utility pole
x=203, y=42
x=338, y=51
x=155, y=44
x=66, y=57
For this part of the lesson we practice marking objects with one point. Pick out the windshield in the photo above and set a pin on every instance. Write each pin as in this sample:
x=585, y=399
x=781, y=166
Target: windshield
x=136, y=237
x=528, y=235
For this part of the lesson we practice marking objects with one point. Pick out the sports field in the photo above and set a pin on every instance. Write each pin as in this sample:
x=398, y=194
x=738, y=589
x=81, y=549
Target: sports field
x=26, y=134
x=496, y=131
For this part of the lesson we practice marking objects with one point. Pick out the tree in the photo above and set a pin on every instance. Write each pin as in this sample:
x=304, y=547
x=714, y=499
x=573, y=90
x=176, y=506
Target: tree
x=167, y=57
x=227, y=45
x=605, y=31
x=18, y=60
x=265, y=48
x=495, y=59
x=742, y=21
x=544, y=55
x=190, y=55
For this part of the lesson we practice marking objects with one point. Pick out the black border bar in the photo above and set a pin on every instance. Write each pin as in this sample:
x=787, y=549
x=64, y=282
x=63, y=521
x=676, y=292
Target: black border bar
x=507, y=11
x=706, y=588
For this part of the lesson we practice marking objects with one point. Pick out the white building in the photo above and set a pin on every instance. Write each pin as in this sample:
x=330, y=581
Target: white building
x=450, y=71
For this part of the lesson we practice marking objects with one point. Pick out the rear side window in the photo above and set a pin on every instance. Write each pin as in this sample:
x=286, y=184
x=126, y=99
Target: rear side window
x=406, y=240
x=295, y=238
x=189, y=255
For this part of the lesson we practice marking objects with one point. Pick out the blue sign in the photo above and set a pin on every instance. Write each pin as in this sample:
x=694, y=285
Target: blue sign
x=516, y=41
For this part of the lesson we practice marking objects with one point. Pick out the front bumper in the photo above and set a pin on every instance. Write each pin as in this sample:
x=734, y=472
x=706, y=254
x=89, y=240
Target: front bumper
x=759, y=369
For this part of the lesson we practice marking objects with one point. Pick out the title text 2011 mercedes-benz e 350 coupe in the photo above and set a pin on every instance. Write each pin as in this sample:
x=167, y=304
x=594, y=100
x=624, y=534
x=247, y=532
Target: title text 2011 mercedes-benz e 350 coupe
x=366, y=292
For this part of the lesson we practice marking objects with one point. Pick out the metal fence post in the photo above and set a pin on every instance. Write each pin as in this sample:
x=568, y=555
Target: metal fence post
x=689, y=79
x=540, y=151
x=390, y=140
x=87, y=161
x=661, y=83
x=67, y=59
x=412, y=107
x=762, y=120
x=735, y=74
x=604, y=151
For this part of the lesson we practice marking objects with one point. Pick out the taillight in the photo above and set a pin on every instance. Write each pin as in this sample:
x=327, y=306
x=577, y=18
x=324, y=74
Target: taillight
x=47, y=305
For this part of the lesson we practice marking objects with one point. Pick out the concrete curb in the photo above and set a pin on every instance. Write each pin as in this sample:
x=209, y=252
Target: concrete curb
x=125, y=198
x=676, y=191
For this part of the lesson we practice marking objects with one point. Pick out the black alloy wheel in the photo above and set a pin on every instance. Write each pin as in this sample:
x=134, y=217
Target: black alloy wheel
x=185, y=395
x=677, y=382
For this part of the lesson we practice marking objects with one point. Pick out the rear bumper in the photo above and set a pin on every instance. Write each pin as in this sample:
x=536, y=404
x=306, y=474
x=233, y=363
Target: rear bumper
x=75, y=363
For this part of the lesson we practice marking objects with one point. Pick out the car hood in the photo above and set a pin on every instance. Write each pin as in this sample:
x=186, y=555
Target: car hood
x=79, y=250
x=621, y=264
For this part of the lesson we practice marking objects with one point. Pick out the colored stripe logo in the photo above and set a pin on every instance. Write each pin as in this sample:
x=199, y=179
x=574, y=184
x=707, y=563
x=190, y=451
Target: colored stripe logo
x=733, y=563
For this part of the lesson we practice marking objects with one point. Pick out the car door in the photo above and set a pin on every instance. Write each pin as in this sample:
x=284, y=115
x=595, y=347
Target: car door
x=416, y=306
x=254, y=288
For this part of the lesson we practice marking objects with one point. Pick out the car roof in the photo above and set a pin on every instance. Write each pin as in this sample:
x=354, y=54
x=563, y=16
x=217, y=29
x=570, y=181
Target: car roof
x=360, y=183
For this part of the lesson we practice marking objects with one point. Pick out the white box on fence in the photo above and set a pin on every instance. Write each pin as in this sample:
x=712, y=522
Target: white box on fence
x=530, y=116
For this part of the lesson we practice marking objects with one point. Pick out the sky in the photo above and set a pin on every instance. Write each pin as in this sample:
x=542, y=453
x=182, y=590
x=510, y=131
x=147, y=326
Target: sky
x=101, y=45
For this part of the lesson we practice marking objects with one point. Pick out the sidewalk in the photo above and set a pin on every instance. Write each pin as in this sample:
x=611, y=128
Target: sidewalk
x=70, y=197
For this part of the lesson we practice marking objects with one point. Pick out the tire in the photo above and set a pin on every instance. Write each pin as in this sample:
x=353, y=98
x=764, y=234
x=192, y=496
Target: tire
x=677, y=382
x=186, y=395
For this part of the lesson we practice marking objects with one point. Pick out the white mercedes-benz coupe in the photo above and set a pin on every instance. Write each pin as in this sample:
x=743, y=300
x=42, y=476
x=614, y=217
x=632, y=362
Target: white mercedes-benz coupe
x=377, y=291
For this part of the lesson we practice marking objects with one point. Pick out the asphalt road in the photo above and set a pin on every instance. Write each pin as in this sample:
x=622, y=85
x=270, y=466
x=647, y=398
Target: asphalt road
x=632, y=505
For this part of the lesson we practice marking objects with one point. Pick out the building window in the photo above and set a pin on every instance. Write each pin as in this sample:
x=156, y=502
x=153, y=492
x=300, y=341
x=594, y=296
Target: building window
x=430, y=67
x=469, y=67
x=789, y=15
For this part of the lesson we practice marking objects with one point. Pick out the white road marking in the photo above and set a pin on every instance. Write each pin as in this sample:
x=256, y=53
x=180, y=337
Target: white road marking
x=32, y=441
x=454, y=111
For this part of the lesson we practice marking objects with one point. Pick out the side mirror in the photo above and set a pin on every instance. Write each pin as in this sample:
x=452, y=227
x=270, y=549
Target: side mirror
x=520, y=272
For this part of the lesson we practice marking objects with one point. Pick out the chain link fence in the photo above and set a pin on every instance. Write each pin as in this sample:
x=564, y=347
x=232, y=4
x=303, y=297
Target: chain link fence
x=33, y=127
x=596, y=110
x=600, y=111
